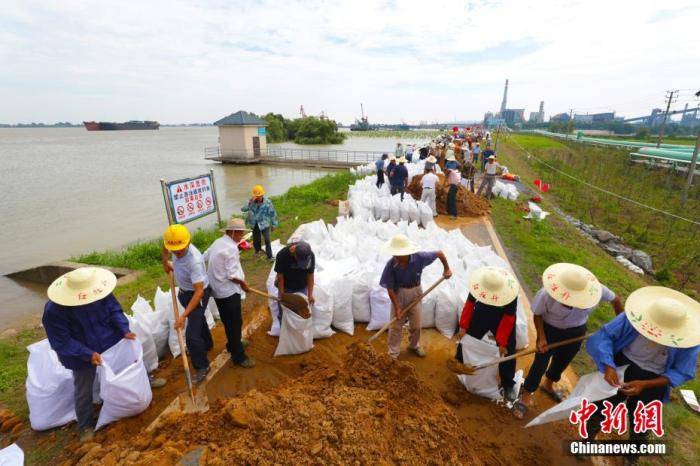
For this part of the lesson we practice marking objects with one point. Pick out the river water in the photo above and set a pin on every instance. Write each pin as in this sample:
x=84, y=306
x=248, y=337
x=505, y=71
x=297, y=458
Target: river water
x=69, y=191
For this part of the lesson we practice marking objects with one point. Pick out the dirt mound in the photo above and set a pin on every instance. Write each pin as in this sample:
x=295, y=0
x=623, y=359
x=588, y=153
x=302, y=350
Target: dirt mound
x=468, y=203
x=372, y=410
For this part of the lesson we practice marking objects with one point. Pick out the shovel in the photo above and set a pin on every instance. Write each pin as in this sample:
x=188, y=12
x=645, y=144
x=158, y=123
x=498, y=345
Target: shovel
x=294, y=302
x=466, y=369
x=199, y=402
x=413, y=303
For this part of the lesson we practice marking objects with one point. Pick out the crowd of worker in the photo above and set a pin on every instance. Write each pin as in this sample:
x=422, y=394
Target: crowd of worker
x=460, y=157
x=656, y=332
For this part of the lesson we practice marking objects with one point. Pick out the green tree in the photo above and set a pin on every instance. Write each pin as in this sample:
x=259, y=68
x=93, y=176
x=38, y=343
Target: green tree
x=276, y=130
x=312, y=130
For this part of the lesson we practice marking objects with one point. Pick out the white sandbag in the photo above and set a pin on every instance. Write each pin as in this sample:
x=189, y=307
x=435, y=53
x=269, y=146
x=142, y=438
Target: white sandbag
x=484, y=382
x=214, y=309
x=322, y=312
x=521, y=340
x=395, y=209
x=49, y=388
x=425, y=214
x=12, y=456
x=296, y=334
x=380, y=308
x=173, y=340
x=447, y=309
x=385, y=209
x=124, y=386
x=513, y=193
x=148, y=346
x=361, y=289
x=428, y=315
x=209, y=318
x=342, y=306
x=413, y=214
x=272, y=305
x=154, y=321
x=403, y=208
x=591, y=386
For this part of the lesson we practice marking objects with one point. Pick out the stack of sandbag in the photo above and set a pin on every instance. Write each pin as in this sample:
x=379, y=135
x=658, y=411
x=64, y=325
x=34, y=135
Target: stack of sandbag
x=350, y=261
x=154, y=322
x=505, y=190
x=296, y=333
x=49, y=388
x=368, y=202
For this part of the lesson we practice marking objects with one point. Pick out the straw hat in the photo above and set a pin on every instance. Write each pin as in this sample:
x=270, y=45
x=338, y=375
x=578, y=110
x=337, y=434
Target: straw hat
x=450, y=156
x=492, y=157
x=494, y=286
x=234, y=224
x=402, y=159
x=392, y=157
x=82, y=286
x=431, y=159
x=572, y=285
x=400, y=245
x=665, y=316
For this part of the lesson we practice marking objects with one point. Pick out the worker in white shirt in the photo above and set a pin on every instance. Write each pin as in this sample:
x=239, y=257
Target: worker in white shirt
x=428, y=183
x=228, y=287
x=489, y=178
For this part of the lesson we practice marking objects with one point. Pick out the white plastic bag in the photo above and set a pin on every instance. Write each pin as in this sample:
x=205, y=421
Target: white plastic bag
x=12, y=456
x=591, y=386
x=150, y=355
x=342, y=306
x=384, y=209
x=484, y=382
x=154, y=321
x=124, y=386
x=395, y=209
x=413, y=214
x=361, y=289
x=296, y=334
x=209, y=317
x=322, y=313
x=428, y=314
x=214, y=309
x=403, y=208
x=446, y=311
x=521, y=340
x=273, y=305
x=425, y=214
x=49, y=388
x=380, y=308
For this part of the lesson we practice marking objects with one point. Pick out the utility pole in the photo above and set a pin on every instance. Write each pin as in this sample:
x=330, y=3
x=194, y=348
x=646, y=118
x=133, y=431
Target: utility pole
x=571, y=120
x=669, y=101
x=691, y=168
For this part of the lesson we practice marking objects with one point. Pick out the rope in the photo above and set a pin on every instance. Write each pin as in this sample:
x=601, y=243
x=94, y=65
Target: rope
x=670, y=214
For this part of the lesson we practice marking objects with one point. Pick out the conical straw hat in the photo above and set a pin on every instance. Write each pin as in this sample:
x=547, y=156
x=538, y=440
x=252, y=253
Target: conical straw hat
x=400, y=245
x=572, y=285
x=665, y=316
x=82, y=286
x=494, y=286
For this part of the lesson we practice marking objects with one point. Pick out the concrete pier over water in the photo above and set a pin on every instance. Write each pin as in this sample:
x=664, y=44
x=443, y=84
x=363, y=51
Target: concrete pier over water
x=312, y=158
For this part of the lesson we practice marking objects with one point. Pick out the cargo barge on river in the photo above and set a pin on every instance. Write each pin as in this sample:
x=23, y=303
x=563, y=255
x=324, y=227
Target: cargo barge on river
x=110, y=126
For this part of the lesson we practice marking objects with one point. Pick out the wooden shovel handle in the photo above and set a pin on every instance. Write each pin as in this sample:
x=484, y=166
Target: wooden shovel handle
x=180, y=338
x=534, y=350
x=258, y=292
x=410, y=306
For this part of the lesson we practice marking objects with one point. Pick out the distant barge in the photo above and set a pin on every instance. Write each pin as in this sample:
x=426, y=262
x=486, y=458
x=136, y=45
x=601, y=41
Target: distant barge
x=109, y=126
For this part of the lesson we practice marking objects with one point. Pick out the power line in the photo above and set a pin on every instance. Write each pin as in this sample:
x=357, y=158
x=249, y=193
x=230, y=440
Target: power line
x=671, y=214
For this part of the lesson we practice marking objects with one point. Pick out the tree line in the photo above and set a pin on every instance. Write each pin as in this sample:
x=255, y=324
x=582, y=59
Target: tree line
x=307, y=130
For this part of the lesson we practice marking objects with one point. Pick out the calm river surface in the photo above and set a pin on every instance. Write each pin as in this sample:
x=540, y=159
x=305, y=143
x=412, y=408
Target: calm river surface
x=69, y=191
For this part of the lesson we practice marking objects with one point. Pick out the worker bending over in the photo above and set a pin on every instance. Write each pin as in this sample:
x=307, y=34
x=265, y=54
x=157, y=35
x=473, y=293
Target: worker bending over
x=402, y=279
x=569, y=294
x=295, y=265
x=191, y=276
x=491, y=307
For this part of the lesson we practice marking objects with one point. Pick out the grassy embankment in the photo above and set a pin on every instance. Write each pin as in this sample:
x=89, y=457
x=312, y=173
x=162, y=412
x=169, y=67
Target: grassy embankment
x=535, y=245
x=299, y=205
x=683, y=140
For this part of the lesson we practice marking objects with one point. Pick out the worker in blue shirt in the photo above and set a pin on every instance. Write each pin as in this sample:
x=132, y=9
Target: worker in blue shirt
x=82, y=320
x=379, y=164
x=398, y=179
x=191, y=276
x=658, y=337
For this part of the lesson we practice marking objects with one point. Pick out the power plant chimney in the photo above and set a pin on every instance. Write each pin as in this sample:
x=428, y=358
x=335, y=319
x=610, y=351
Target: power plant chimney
x=505, y=98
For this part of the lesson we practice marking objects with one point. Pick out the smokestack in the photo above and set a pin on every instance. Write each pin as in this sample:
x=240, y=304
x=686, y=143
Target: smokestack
x=542, y=107
x=505, y=98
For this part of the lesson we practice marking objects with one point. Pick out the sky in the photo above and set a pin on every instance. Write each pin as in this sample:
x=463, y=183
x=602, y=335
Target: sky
x=197, y=61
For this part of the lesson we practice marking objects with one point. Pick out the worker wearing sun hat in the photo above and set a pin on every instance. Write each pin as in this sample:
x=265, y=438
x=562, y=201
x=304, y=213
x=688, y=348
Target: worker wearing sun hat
x=262, y=219
x=491, y=307
x=191, y=277
x=228, y=286
x=658, y=338
x=402, y=279
x=398, y=179
x=569, y=294
x=83, y=319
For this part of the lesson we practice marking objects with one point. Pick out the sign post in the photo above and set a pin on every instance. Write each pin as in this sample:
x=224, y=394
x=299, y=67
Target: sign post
x=216, y=198
x=189, y=199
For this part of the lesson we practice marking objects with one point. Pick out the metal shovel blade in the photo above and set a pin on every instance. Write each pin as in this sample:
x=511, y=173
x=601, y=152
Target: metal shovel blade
x=200, y=403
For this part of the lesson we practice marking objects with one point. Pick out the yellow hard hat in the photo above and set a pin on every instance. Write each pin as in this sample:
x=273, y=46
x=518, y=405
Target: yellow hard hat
x=176, y=237
x=258, y=191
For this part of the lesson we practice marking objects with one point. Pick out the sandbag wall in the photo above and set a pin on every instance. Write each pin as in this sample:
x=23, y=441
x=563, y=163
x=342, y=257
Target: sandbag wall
x=349, y=263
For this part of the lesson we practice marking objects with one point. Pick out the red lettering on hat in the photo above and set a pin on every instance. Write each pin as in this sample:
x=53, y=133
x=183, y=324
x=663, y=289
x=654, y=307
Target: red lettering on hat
x=82, y=296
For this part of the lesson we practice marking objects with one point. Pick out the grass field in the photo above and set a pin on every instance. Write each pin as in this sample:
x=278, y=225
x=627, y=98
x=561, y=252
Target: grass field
x=674, y=244
x=418, y=134
x=683, y=140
